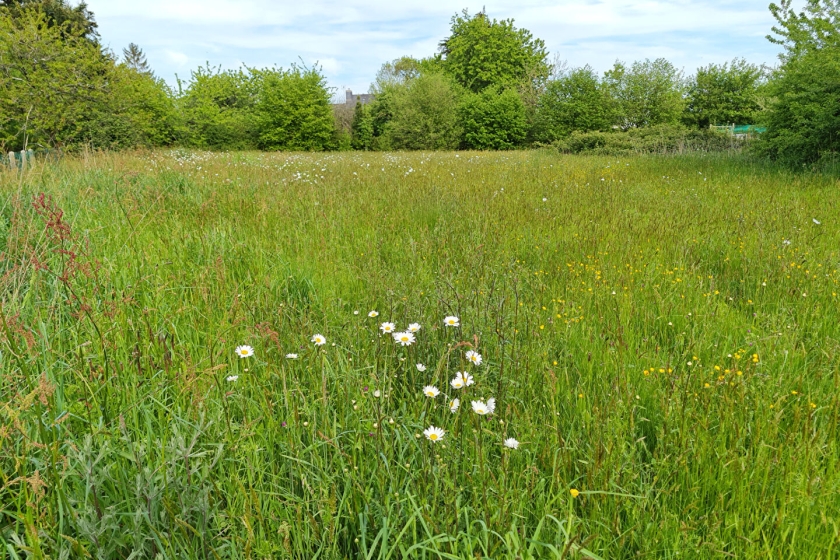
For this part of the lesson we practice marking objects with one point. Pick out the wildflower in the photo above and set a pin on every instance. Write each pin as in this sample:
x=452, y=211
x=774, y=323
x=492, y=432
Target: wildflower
x=404, y=338
x=291, y=356
x=244, y=351
x=421, y=367
x=414, y=327
x=574, y=493
x=482, y=408
x=319, y=340
x=462, y=379
x=373, y=314
x=452, y=321
x=454, y=404
x=376, y=393
x=816, y=221
x=387, y=328
x=511, y=443
x=431, y=391
x=356, y=312
x=433, y=434
x=474, y=357
x=232, y=377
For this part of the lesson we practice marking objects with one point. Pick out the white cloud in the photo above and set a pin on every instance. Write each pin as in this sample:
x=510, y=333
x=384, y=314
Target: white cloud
x=177, y=58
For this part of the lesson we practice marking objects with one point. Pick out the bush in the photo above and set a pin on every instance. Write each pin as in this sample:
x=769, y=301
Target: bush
x=422, y=115
x=662, y=139
x=575, y=101
x=492, y=120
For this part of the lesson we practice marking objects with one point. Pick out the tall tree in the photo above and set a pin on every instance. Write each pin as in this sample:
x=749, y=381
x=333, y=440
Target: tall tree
x=575, y=100
x=135, y=58
x=647, y=93
x=816, y=27
x=74, y=21
x=482, y=53
x=726, y=93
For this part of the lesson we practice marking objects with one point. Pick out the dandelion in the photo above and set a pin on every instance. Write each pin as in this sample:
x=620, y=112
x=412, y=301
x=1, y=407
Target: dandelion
x=414, y=327
x=232, y=377
x=452, y=321
x=387, y=328
x=433, y=434
x=462, y=379
x=454, y=404
x=421, y=367
x=291, y=356
x=244, y=351
x=373, y=314
x=319, y=340
x=474, y=357
x=431, y=391
x=511, y=443
x=404, y=338
x=482, y=408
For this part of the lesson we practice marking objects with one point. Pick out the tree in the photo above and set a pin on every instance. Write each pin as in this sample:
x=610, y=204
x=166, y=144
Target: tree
x=423, y=114
x=361, y=130
x=293, y=109
x=493, y=120
x=135, y=58
x=576, y=100
x=646, y=94
x=73, y=21
x=482, y=53
x=724, y=94
x=814, y=29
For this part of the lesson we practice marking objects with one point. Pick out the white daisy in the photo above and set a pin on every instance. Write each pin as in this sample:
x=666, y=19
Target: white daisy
x=244, y=351
x=319, y=340
x=387, y=328
x=414, y=327
x=232, y=377
x=474, y=357
x=431, y=391
x=511, y=443
x=462, y=379
x=482, y=408
x=404, y=338
x=433, y=434
x=292, y=356
x=373, y=314
x=453, y=405
x=457, y=383
x=452, y=321
x=421, y=367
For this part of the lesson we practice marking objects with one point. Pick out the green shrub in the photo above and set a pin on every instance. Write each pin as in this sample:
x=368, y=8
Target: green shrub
x=575, y=101
x=493, y=120
x=423, y=115
x=662, y=139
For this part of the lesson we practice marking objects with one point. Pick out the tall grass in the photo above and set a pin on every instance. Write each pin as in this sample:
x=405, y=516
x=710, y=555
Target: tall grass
x=659, y=333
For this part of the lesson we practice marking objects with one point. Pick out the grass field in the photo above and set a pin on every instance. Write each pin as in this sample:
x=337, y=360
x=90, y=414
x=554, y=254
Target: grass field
x=660, y=335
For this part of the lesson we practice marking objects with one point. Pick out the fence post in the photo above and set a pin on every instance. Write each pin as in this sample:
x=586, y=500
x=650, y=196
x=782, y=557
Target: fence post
x=23, y=161
x=12, y=162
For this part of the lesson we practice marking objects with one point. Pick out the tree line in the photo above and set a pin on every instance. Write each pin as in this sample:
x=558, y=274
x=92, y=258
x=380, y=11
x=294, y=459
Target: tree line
x=490, y=86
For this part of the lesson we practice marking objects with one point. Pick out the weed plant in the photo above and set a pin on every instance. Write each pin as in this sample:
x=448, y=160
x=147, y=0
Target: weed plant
x=659, y=336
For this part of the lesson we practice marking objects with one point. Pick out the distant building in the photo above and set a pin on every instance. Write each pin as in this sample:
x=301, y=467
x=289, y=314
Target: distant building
x=363, y=98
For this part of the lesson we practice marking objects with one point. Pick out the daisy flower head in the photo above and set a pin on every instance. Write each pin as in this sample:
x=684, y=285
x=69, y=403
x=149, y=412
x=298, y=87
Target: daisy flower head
x=431, y=391
x=421, y=367
x=454, y=404
x=482, y=408
x=291, y=356
x=452, y=321
x=462, y=379
x=433, y=434
x=319, y=340
x=511, y=443
x=373, y=314
x=244, y=351
x=232, y=377
x=457, y=382
x=404, y=338
x=474, y=357
x=414, y=327
x=387, y=328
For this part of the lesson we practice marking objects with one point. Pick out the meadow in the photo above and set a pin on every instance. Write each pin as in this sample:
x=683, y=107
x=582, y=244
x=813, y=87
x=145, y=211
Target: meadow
x=659, y=335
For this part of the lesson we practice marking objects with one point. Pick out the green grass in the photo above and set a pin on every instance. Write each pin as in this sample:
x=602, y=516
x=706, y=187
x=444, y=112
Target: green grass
x=650, y=336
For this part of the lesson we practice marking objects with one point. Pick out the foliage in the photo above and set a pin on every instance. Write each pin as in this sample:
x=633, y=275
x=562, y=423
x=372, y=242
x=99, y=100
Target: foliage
x=813, y=29
x=135, y=58
x=423, y=114
x=217, y=109
x=401, y=71
x=292, y=111
x=660, y=334
x=362, y=128
x=72, y=21
x=575, y=100
x=647, y=93
x=482, y=53
x=659, y=139
x=724, y=94
x=493, y=120
x=803, y=122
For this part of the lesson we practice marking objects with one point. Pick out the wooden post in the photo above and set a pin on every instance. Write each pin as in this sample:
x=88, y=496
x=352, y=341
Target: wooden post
x=12, y=162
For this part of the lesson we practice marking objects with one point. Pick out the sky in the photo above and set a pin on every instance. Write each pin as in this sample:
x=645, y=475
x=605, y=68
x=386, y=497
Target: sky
x=350, y=39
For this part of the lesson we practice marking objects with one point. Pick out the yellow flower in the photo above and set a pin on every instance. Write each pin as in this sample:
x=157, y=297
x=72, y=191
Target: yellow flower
x=574, y=493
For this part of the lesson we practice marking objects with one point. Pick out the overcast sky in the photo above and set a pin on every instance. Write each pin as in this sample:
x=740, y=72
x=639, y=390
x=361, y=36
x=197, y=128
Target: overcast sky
x=352, y=38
